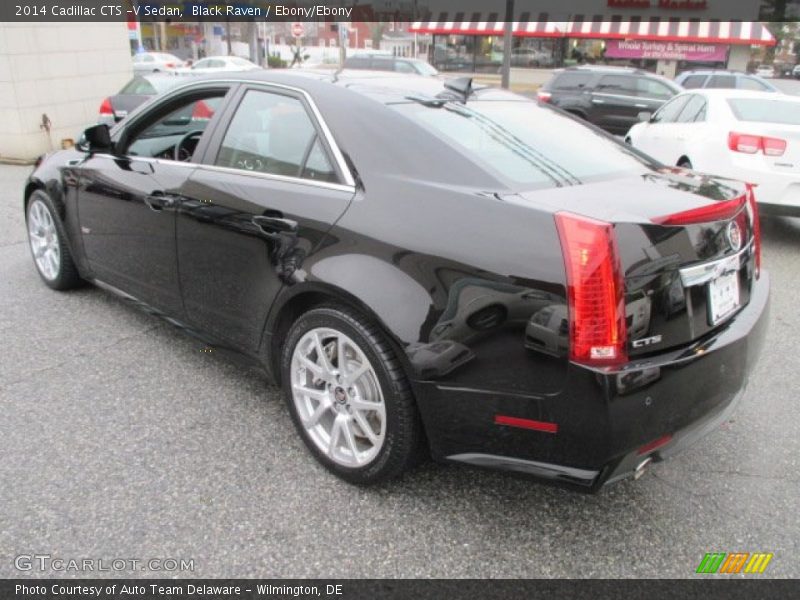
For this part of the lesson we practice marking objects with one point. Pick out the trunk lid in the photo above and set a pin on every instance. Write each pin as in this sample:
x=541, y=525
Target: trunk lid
x=685, y=243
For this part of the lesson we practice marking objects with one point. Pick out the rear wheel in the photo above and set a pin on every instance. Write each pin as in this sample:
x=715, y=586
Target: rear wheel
x=685, y=163
x=48, y=244
x=349, y=397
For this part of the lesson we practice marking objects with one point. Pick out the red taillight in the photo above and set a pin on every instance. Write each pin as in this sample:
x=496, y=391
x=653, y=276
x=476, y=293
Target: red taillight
x=169, y=65
x=773, y=146
x=594, y=289
x=105, y=108
x=201, y=111
x=719, y=211
x=756, y=226
x=545, y=426
x=752, y=144
x=544, y=96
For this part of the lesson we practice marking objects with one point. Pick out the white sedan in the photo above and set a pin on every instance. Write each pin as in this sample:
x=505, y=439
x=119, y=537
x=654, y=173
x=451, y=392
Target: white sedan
x=217, y=64
x=752, y=136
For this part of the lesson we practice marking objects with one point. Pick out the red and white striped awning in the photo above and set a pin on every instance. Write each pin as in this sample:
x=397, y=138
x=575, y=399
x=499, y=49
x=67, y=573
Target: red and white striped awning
x=481, y=24
x=709, y=32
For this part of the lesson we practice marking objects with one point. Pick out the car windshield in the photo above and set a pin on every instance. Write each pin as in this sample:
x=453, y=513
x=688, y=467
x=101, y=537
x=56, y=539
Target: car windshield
x=766, y=110
x=525, y=145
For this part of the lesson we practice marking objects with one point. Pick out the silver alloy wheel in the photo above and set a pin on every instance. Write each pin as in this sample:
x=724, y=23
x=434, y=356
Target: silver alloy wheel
x=338, y=397
x=43, y=237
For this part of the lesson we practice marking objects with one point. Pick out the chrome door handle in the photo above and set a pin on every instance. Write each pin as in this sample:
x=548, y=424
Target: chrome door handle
x=158, y=201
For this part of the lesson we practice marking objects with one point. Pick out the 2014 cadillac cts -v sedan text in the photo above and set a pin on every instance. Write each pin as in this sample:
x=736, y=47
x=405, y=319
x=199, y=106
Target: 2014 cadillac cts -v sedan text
x=423, y=267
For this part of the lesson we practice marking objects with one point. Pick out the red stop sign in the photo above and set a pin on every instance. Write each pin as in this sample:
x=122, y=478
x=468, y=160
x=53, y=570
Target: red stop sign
x=298, y=30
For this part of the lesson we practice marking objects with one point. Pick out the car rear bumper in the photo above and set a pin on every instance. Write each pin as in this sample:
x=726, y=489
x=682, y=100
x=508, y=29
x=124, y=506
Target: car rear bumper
x=606, y=422
x=776, y=193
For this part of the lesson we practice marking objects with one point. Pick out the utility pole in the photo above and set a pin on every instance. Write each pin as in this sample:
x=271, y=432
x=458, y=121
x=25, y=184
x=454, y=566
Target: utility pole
x=507, y=37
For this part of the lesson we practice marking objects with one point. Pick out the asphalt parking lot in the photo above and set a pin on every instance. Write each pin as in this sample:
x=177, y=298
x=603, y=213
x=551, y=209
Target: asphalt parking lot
x=121, y=438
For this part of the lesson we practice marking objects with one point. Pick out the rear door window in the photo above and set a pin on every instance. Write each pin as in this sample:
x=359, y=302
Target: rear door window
x=722, y=82
x=694, y=81
x=571, y=81
x=782, y=112
x=651, y=88
x=623, y=85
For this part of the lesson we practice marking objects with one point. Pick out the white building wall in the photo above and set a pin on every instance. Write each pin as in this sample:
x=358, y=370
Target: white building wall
x=63, y=70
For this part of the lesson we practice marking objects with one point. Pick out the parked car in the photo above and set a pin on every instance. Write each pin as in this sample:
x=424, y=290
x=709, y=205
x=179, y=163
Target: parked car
x=328, y=249
x=155, y=62
x=216, y=64
x=754, y=136
x=767, y=71
x=717, y=78
x=137, y=91
x=609, y=97
x=796, y=72
x=388, y=62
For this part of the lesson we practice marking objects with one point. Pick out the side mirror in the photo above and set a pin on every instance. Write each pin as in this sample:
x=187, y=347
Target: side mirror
x=645, y=116
x=96, y=139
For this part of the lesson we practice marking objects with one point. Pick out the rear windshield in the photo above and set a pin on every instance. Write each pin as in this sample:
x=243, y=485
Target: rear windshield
x=766, y=111
x=139, y=86
x=525, y=145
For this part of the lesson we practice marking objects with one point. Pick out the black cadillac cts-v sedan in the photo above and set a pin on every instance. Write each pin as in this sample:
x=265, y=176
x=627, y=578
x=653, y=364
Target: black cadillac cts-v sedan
x=423, y=267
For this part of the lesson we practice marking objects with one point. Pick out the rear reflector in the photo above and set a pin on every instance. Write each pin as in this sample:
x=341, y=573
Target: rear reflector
x=756, y=227
x=718, y=211
x=594, y=290
x=105, y=108
x=544, y=96
x=526, y=423
x=654, y=445
x=752, y=144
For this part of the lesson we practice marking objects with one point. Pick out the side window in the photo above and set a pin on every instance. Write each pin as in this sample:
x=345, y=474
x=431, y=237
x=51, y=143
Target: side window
x=694, y=110
x=722, y=81
x=748, y=83
x=382, y=63
x=617, y=84
x=148, y=58
x=175, y=136
x=202, y=64
x=272, y=133
x=571, y=81
x=694, y=81
x=318, y=166
x=670, y=111
x=215, y=63
x=651, y=88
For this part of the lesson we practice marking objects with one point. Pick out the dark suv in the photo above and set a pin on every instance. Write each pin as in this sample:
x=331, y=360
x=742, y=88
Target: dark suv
x=609, y=97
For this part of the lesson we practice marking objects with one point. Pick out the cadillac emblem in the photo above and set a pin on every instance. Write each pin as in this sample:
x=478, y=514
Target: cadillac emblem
x=734, y=235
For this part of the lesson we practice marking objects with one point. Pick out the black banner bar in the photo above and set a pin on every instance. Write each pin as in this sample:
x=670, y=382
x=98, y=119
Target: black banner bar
x=192, y=11
x=704, y=587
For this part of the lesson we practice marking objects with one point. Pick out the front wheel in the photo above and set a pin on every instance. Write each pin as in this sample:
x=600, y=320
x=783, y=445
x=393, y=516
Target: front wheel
x=685, y=163
x=48, y=244
x=349, y=397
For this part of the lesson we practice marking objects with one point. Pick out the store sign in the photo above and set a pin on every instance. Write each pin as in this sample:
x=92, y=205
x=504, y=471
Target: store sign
x=666, y=50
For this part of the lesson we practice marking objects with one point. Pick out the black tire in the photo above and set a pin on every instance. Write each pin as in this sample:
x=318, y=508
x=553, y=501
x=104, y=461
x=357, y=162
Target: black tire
x=403, y=440
x=68, y=277
x=685, y=163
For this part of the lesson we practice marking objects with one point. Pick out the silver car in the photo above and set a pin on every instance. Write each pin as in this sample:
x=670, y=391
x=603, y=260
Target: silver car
x=155, y=62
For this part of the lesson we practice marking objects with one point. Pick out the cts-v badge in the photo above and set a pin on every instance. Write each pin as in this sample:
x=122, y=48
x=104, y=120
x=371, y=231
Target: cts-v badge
x=648, y=341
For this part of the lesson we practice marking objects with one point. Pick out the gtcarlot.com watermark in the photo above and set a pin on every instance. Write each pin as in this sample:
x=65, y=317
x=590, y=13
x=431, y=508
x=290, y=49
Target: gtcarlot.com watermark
x=47, y=562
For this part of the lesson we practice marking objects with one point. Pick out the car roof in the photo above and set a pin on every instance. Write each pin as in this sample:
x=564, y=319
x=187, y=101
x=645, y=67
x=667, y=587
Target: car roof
x=739, y=93
x=609, y=68
x=383, y=86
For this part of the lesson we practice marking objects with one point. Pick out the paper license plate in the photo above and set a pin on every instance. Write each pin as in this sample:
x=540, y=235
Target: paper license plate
x=723, y=296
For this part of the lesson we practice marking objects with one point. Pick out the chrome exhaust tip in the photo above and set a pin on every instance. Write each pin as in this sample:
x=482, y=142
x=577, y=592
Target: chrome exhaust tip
x=641, y=467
